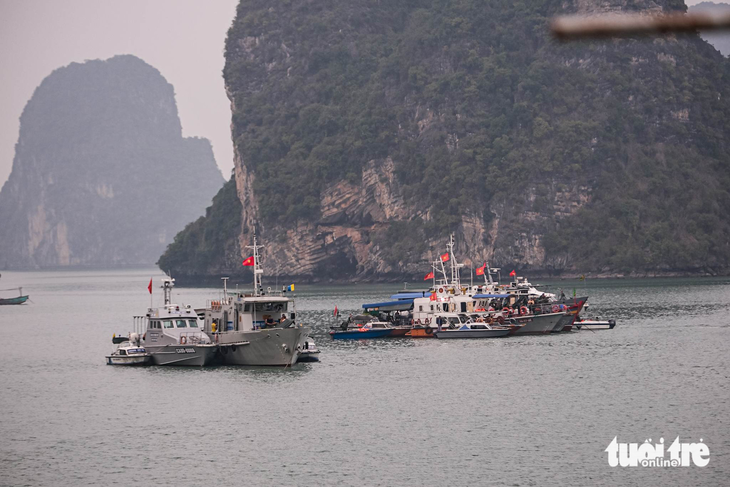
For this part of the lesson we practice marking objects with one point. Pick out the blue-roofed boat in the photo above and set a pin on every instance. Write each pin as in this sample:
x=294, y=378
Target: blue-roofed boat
x=386, y=306
x=410, y=295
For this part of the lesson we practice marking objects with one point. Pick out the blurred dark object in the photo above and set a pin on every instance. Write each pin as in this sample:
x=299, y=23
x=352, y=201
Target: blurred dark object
x=616, y=25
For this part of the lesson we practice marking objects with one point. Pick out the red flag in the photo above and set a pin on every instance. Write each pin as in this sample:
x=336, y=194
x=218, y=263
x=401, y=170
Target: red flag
x=445, y=257
x=248, y=261
x=513, y=273
x=336, y=311
x=433, y=297
x=149, y=288
x=428, y=276
x=480, y=270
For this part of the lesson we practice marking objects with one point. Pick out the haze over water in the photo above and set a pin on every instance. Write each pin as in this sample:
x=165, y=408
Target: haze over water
x=514, y=411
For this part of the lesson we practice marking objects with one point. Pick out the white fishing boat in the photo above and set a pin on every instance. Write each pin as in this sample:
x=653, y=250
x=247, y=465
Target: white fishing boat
x=453, y=325
x=129, y=352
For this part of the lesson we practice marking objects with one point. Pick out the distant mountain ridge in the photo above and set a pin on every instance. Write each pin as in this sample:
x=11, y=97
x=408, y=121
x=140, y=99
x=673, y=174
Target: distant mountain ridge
x=102, y=175
x=366, y=132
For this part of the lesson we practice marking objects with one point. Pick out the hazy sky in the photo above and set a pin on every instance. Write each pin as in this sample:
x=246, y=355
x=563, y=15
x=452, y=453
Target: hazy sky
x=183, y=39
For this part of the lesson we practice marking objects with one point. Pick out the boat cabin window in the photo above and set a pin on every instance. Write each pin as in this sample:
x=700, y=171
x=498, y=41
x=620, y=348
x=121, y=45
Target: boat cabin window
x=271, y=307
x=463, y=307
x=420, y=308
x=168, y=323
x=193, y=323
x=247, y=308
x=181, y=324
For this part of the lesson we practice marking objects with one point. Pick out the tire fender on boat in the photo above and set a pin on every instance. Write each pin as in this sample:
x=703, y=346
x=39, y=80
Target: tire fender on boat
x=429, y=330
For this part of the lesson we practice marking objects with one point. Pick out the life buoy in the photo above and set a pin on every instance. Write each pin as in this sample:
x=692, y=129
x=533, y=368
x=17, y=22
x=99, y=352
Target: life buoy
x=429, y=330
x=506, y=310
x=524, y=310
x=183, y=340
x=556, y=308
x=441, y=290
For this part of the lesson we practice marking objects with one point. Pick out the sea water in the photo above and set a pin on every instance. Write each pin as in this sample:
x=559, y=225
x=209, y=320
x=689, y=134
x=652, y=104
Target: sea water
x=521, y=410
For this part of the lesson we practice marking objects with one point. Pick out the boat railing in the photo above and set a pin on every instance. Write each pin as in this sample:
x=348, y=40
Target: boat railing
x=139, y=324
x=217, y=304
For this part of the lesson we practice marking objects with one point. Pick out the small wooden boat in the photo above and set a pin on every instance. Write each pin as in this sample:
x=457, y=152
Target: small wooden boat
x=419, y=331
x=400, y=331
x=16, y=300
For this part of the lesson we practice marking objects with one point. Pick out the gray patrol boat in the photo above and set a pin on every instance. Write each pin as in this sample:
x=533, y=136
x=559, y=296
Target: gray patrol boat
x=257, y=328
x=173, y=334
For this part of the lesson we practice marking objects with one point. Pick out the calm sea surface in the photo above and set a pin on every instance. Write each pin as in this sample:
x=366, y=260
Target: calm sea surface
x=515, y=411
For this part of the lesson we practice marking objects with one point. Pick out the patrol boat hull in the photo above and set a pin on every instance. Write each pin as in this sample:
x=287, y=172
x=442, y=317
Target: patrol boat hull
x=184, y=355
x=538, y=324
x=565, y=321
x=268, y=347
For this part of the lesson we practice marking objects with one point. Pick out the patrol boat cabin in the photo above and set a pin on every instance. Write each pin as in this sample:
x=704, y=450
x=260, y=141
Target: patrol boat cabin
x=174, y=334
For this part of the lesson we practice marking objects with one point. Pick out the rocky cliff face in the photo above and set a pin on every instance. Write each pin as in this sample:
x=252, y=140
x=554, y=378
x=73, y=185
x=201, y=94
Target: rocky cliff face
x=365, y=134
x=102, y=175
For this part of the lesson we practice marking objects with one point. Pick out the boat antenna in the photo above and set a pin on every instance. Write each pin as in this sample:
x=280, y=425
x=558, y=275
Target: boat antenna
x=257, y=270
x=225, y=288
x=455, y=266
x=167, y=284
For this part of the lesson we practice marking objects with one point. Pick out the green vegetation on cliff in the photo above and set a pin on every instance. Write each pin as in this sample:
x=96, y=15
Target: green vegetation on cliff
x=477, y=107
x=209, y=240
